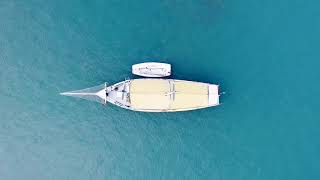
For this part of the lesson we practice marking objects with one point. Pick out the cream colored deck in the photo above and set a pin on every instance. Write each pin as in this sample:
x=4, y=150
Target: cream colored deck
x=164, y=94
x=149, y=94
x=189, y=94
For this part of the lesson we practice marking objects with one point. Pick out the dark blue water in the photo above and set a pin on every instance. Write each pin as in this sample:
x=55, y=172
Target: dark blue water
x=264, y=54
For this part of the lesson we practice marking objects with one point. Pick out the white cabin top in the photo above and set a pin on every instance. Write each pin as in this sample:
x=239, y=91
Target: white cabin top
x=152, y=69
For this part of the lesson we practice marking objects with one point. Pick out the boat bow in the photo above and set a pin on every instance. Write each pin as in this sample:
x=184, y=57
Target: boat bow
x=96, y=93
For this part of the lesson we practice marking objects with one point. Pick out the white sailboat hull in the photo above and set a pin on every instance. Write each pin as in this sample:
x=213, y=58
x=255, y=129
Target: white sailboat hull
x=163, y=95
x=153, y=95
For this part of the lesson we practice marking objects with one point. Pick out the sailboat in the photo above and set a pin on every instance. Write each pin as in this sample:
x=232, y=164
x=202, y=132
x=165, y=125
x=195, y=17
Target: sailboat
x=153, y=94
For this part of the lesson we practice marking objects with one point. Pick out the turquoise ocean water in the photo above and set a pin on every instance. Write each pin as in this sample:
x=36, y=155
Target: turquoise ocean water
x=264, y=54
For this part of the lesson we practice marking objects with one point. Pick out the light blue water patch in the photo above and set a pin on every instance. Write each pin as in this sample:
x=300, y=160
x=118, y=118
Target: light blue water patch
x=264, y=54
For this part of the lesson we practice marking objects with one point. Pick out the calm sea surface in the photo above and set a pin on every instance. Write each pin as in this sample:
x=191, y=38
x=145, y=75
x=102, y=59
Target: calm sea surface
x=264, y=54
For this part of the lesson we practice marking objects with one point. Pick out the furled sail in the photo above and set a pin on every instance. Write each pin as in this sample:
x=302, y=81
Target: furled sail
x=96, y=93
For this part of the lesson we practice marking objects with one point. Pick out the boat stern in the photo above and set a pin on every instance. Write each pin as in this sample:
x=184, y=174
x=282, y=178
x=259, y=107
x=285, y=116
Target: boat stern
x=213, y=97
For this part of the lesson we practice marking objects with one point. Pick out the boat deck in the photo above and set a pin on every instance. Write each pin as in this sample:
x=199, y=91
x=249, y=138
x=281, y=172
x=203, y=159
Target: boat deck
x=170, y=95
